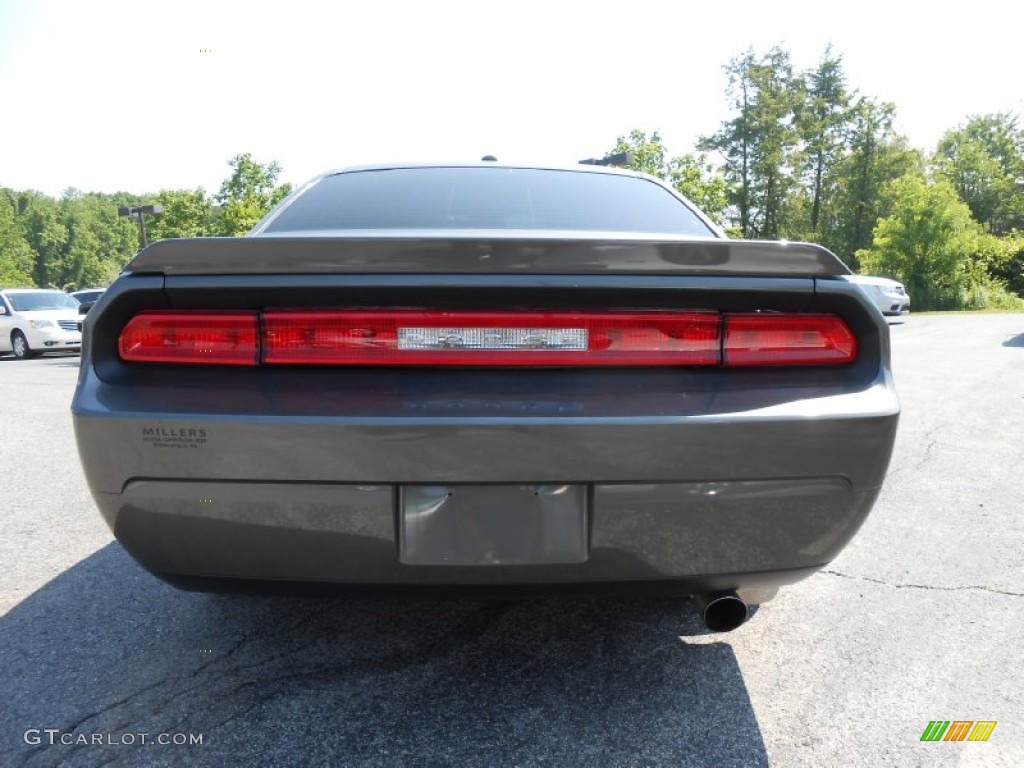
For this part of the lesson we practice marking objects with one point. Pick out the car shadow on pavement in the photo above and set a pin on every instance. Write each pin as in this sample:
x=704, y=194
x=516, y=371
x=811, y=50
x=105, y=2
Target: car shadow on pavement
x=105, y=651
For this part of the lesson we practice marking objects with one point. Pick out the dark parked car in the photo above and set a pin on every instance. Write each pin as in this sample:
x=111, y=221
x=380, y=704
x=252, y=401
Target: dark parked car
x=486, y=375
x=87, y=297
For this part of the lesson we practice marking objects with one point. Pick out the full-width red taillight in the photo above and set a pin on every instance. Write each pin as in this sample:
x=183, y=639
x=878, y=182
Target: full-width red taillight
x=492, y=338
x=416, y=337
x=771, y=339
x=218, y=338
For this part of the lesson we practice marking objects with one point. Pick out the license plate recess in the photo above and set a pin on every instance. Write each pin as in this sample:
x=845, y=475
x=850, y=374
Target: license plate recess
x=468, y=525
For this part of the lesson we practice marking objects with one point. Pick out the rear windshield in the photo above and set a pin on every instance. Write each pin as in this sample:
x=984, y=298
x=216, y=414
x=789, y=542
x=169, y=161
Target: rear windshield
x=488, y=198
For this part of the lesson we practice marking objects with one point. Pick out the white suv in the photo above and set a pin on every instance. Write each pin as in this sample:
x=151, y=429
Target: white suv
x=890, y=296
x=37, y=320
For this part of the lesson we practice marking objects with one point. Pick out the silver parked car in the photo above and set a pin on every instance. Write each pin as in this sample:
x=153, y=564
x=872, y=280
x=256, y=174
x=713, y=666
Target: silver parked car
x=486, y=375
x=38, y=320
x=890, y=296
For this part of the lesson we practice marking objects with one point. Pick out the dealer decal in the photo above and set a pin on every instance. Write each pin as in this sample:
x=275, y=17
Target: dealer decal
x=174, y=437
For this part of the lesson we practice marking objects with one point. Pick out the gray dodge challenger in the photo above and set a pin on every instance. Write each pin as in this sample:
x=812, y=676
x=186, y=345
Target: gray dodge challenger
x=486, y=376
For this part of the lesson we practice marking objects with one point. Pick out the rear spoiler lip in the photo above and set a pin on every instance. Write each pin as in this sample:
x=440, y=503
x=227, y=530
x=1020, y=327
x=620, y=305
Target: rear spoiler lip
x=484, y=252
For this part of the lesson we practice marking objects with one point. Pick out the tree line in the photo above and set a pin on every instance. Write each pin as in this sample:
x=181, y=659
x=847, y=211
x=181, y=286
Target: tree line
x=802, y=156
x=80, y=241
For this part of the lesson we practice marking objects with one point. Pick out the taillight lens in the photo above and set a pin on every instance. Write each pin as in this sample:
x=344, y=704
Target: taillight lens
x=414, y=337
x=527, y=338
x=768, y=339
x=217, y=338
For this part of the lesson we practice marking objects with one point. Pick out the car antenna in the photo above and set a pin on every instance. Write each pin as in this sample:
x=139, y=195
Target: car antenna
x=488, y=159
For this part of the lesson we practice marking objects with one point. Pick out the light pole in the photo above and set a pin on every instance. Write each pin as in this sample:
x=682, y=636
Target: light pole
x=137, y=212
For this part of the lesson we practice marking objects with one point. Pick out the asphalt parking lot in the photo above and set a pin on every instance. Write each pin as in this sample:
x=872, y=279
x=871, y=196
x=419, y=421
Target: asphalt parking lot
x=920, y=619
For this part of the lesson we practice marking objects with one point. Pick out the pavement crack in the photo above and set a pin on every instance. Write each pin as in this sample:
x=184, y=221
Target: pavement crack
x=165, y=701
x=239, y=713
x=74, y=726
x=932, y=441
x=962, y=588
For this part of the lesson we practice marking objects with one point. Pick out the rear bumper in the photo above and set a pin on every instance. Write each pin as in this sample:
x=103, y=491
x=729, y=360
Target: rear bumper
x=716, y=501
x=702, y=536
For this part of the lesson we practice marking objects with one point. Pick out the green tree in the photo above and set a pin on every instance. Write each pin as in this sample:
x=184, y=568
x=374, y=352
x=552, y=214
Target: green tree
x=876, y=156
x=248, y=194
x=757, y=145
x=984, y=160
x=822, y=121
x=16, y=256
x=1001, y=260
x=926, y=242
x=187, y=213
x=97, y=245
x=79, y=262
x=46, y=234
x=691, y=175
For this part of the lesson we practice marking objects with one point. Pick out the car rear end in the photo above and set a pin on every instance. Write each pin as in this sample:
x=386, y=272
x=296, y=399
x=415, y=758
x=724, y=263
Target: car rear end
x=485, y=409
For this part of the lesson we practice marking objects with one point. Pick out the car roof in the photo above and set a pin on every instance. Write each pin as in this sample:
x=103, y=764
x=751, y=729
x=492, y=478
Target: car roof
x=579, y=168
x=30, y=290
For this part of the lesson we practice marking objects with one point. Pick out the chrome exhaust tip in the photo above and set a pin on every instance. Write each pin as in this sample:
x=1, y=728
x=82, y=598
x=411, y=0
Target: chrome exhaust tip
x=721, y=611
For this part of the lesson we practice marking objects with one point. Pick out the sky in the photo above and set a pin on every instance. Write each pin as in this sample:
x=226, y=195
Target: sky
x=113, y=96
